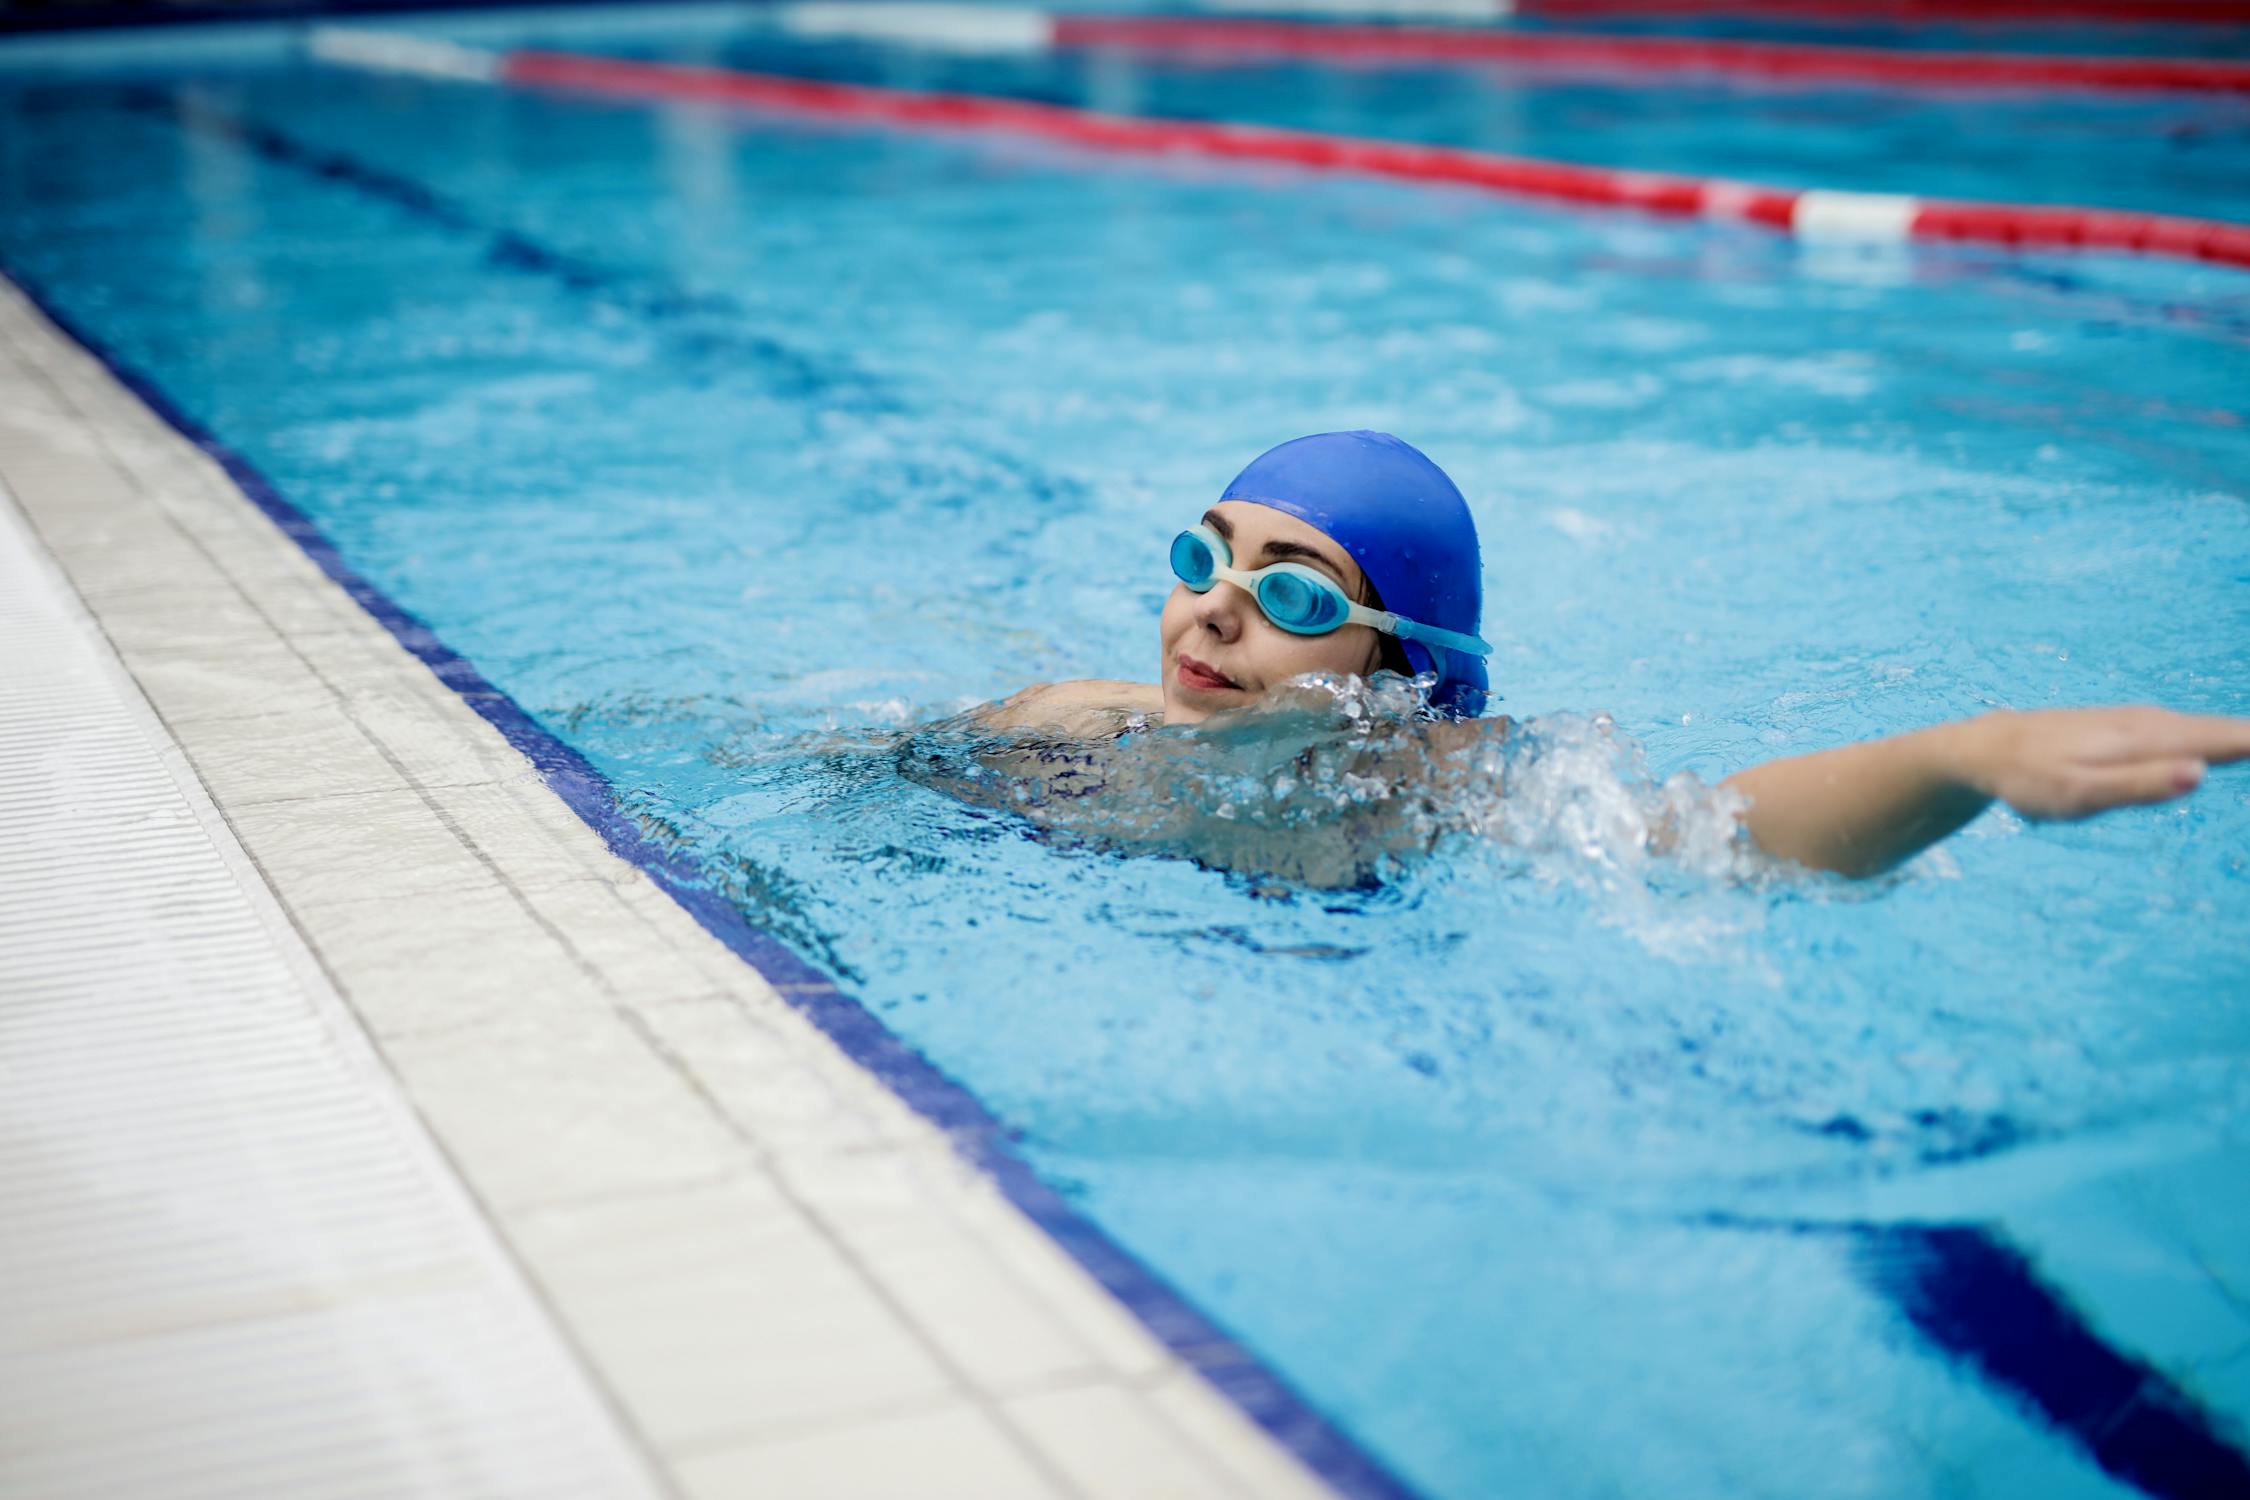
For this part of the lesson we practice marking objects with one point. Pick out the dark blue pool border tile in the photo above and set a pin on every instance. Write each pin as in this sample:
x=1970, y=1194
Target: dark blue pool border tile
x=1226, y=1365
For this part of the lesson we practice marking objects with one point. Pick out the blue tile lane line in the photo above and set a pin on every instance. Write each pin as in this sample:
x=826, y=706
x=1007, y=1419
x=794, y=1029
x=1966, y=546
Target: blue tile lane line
x=1229, y=1368
x=787, y=370
x=1981, y=1300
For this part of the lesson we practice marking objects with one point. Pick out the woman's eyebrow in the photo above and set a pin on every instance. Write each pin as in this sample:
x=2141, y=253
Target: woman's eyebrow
x=1276, y=551
x=1299, y=549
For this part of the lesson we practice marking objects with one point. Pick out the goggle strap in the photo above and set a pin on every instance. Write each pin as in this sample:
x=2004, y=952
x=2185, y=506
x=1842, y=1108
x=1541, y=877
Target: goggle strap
x=1432, y=635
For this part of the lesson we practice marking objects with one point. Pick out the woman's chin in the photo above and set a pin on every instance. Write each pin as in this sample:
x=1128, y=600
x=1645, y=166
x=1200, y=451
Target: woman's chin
x=1184, y=705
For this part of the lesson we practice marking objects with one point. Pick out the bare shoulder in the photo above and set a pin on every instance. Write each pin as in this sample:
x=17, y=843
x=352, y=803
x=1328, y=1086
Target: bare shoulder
x=1087, y=706
x=1449, y=736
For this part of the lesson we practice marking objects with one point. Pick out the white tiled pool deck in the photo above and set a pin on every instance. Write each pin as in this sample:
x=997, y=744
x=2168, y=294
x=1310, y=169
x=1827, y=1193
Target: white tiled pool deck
x=669, y=1240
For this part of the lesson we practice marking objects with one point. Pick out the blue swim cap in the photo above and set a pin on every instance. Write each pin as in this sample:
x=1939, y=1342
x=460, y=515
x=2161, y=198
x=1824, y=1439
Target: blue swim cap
x=1406, y=526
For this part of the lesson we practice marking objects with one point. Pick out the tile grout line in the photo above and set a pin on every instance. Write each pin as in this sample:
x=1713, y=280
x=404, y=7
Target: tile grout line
x=335, y=1031
x=566, y=1333
x=846, y=1253
x=1136, y=1386
x=719, y=1442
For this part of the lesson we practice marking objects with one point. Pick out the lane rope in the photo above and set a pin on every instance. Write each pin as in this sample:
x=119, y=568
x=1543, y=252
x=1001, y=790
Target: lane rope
x=398, y=52
x=973, y=28
x=1809, y=213
x=1767, y=61
x=1907, y=12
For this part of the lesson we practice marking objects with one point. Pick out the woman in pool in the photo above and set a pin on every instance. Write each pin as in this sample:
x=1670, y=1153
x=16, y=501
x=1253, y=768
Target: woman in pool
x=1350, y=552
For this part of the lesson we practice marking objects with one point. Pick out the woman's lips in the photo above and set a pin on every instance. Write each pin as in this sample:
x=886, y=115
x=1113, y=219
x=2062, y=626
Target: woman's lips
x=1199, y=678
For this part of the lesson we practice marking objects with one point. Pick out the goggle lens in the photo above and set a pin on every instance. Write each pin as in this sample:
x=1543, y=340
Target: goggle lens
x=1192, y=562
x=1298, y=605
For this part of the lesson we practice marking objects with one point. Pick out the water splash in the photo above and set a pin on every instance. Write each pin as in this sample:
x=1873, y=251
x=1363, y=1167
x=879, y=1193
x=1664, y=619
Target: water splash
x=1335, y=781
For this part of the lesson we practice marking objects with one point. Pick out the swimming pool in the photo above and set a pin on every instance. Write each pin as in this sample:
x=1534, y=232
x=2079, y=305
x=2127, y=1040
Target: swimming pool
x=731, y=447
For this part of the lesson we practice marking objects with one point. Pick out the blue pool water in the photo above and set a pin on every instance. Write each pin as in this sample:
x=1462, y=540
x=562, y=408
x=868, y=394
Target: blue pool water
x=733, y=449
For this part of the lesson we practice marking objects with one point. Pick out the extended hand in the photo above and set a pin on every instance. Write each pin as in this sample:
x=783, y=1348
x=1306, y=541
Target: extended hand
x=2074, y=762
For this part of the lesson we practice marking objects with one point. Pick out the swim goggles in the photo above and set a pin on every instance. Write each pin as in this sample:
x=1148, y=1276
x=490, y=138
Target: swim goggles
x=1298, y=599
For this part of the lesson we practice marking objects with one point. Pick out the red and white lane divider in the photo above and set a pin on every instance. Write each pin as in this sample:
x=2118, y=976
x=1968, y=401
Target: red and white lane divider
x=1789, y=62
x=953, y=28
x=1009, y=28
x=1808, y=214
x=1800, y=12
x=398, y=52
x=1911, y=12
x=968, y=27
x=1382, y=10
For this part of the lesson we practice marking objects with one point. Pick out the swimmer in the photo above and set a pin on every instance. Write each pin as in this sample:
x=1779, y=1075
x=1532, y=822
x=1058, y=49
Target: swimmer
x=1349, y=553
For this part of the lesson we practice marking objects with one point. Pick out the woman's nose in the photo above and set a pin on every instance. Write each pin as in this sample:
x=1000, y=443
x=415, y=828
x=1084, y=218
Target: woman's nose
x=1221, y=610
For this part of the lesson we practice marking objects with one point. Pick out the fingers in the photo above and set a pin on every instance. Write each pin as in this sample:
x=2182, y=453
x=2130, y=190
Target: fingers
x=2126, y=735
x=2218, y=741
x=2135, y=785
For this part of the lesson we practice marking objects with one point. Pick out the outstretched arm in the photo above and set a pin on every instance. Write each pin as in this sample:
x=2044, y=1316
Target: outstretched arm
x=1863, y=808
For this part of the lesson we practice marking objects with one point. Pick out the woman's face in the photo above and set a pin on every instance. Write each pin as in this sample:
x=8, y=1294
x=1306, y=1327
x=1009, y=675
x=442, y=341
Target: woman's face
x=1219, y=649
